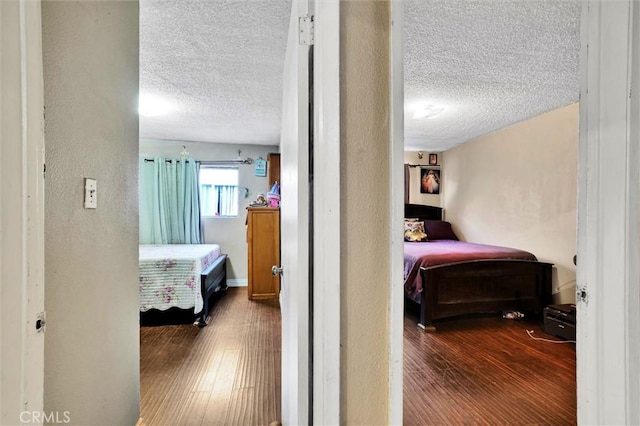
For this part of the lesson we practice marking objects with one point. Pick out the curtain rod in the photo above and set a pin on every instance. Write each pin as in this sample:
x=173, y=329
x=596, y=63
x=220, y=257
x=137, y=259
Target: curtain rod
x=168, y=160
x=247, y=160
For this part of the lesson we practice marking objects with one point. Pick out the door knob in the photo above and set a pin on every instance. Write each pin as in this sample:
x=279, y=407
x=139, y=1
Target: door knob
x=275, y=271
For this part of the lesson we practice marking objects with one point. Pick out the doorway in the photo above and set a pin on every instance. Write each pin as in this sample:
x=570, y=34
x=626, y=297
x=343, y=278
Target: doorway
x=490, y=185
x=593, y=17
x=294, y=208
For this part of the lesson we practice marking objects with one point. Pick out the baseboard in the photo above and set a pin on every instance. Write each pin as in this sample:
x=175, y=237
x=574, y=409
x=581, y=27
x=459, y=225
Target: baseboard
x=237, y=283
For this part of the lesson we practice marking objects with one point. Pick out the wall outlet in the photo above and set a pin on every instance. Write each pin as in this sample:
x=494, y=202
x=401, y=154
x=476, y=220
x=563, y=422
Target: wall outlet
x=90, y=193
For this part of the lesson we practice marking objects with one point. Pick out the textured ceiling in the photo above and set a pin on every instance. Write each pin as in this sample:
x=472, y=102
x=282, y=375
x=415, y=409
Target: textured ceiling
x=489, y=63
x=220, y=63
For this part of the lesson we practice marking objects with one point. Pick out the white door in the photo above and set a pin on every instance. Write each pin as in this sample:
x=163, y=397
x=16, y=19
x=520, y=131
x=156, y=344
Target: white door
x=21, y=213
x=294, y=233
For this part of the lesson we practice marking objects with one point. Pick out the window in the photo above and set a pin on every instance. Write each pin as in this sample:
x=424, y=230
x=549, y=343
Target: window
x=218, y=191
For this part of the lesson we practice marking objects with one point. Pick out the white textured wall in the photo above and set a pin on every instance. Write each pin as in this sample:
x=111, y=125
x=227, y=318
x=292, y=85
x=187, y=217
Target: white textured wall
x=365, y=244
x=415, y=196
x=229, y=232
x=517, y=187
x=91, y=256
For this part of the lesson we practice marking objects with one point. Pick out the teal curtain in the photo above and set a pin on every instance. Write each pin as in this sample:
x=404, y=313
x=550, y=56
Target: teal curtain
x=169, y=202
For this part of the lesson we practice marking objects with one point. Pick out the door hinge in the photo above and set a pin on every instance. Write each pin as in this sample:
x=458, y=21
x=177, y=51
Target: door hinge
x=305, y=30
x=582, y=295
x=41, y=322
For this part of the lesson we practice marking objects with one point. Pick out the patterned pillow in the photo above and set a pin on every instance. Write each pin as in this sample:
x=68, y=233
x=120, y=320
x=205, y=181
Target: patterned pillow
x=414, y=231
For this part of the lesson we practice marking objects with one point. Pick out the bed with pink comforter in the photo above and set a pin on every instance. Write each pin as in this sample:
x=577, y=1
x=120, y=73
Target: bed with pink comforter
x=446, y=252
x=450, y=278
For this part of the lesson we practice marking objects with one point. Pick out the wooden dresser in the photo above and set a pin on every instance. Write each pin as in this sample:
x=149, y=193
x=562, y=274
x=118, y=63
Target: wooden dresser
x=263, y=238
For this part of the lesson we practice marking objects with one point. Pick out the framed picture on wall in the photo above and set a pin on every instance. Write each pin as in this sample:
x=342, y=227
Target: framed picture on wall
x=429, y=181
x=261, y=167
x=433, y=159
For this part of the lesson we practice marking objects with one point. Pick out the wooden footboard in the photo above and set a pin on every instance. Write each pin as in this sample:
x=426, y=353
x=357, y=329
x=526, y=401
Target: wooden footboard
x=483, y=286
x=212, y=280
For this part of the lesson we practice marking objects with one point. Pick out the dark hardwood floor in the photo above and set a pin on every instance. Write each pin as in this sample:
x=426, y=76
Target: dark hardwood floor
x=470, y=371
x=225, y=373
x=486, y=371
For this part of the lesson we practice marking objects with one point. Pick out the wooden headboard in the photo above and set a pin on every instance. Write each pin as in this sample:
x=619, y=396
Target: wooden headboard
x=422, y=212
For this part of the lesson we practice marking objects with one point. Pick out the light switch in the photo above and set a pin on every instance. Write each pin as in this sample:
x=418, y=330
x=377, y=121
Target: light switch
x=90, y=193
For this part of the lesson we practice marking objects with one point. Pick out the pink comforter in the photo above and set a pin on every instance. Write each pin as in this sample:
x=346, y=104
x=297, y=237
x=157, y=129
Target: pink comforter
x=443, y=252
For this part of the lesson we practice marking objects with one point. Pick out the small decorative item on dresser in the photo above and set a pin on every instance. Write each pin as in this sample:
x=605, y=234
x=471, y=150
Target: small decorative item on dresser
x=259, y=202
x=274, y=200
x=273, y=196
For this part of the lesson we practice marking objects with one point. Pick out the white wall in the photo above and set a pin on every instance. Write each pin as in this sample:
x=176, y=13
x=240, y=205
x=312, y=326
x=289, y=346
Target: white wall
x=91, y=256
x=415, y=196
x=230, y=233
x=517, y=187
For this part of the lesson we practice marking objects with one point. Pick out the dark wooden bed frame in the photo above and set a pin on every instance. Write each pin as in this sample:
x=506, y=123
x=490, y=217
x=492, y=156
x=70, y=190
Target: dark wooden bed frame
x=213, y=280
x=480, y=286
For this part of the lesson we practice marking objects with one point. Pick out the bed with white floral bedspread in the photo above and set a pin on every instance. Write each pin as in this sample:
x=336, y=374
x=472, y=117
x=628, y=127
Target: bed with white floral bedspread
x=170, y=275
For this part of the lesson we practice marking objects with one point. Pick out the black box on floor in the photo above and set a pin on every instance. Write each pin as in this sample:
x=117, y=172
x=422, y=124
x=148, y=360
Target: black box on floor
x=560, y=321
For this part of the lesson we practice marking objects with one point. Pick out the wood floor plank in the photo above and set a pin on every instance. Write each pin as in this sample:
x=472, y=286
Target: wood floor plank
x=240, y=411
x=486, y=370
x=225, y=373
x=221, y=392
x=471, y=371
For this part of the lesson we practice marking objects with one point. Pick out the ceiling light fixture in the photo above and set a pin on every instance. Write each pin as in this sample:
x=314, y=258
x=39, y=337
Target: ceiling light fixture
x=428, y=111
x=151, y=106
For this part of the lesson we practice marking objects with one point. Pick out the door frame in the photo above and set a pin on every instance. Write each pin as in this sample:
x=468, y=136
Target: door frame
x=608, y=381
x=608, y=274
x=326, y=215
x=396, y=214
x=22, y=212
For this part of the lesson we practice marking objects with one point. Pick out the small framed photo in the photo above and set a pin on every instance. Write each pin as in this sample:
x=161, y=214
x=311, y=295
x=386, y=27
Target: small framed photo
x=429, y=181
x=433, y=159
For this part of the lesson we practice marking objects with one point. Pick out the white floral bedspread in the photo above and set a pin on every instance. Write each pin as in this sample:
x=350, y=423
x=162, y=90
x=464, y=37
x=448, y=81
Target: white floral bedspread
x=170, y=275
